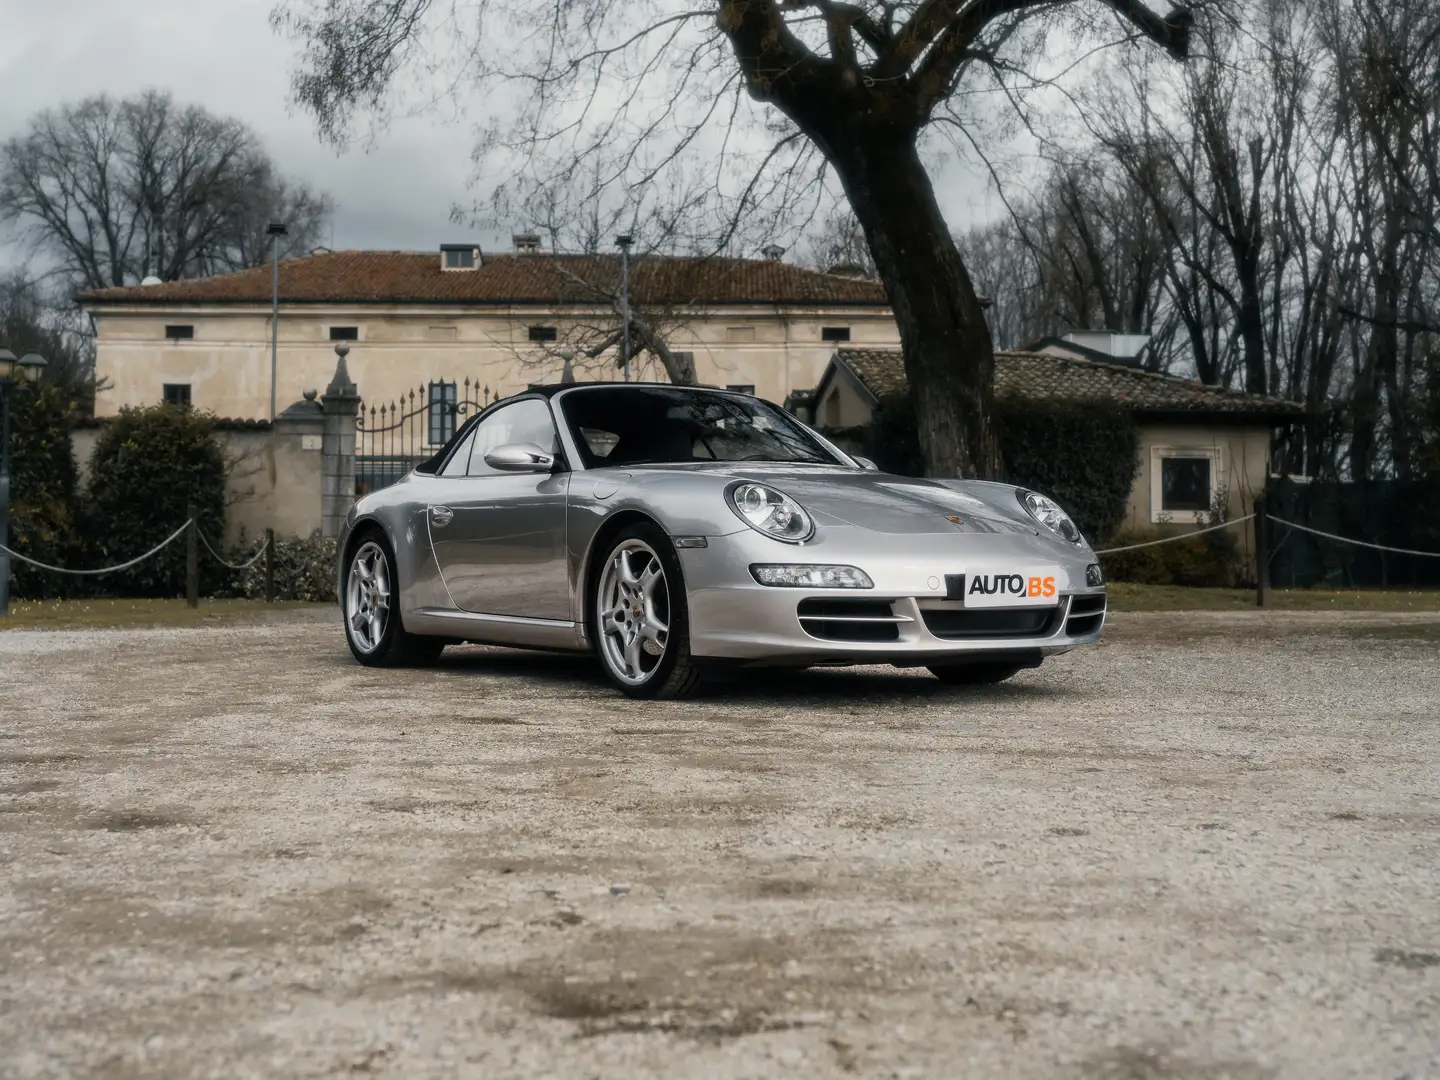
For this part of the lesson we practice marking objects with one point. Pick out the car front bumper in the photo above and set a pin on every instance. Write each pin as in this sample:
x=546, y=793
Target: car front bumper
x=905, y=619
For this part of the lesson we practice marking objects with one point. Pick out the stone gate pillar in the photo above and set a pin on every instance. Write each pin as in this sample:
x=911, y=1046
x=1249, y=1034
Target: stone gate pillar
x=337, y=486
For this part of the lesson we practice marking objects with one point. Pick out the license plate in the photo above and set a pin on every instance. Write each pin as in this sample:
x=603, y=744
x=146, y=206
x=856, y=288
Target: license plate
x=1033, y=586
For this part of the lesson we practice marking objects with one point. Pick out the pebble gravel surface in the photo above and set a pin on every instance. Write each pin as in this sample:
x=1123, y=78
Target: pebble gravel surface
x=1208, y=848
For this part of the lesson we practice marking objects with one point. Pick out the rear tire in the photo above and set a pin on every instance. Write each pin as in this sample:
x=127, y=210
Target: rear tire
x=974, y=674
x=639, y=618
x=371, y=605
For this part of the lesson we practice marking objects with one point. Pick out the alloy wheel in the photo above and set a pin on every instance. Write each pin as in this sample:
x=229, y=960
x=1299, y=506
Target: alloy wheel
x=367, y=597
x=634, y=617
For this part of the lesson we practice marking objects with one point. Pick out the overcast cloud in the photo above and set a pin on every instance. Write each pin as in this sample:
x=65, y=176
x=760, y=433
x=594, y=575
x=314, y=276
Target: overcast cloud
x=222, y=54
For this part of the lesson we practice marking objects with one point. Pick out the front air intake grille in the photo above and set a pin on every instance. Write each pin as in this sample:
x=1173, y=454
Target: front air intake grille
x=1087, y=614
x=845, y=619
x=953, y=623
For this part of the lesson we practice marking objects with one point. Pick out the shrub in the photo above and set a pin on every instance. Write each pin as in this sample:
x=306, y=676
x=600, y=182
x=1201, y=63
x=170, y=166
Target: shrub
x=148, y=466
x=304, y=570
x=43, y=508
x=1204, y=560
x=1080, y=453
x=1208, y=561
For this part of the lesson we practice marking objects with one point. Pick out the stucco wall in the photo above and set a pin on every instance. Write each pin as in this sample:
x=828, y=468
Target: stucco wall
x=227, y=363
x=841, y=406
x=273, y=479
x=1242, y=467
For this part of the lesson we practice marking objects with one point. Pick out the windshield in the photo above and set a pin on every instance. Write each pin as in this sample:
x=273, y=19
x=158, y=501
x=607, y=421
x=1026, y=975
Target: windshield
x=653, y=425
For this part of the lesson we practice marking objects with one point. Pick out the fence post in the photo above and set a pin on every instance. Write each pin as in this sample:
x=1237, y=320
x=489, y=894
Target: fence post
x=342, y=405
x=192, y=559
x=1262, y=552
x=269, y=566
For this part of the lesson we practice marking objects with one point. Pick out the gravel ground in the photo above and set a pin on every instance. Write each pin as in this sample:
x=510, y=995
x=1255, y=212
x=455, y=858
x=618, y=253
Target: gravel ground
x=1205, y=849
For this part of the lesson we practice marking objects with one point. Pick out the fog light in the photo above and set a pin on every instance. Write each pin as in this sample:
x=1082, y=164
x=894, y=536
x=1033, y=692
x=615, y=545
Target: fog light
x=802, y=576
x=1094, y=577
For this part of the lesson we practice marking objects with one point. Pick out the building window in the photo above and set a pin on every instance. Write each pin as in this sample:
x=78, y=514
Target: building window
x=179, y=332
x=443, y=397
x=1183, y=483
x=457, y=257
x=176, y=394
x=543, y=333
x=739, y=333
x=834, y=333
x=742, y=388
x=344, y=333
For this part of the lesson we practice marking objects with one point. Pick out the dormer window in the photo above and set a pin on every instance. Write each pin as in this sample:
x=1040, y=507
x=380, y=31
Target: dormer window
x=459, y=256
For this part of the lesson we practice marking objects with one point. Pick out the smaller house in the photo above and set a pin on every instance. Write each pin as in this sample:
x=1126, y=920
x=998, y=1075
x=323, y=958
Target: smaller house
x=1194, y=440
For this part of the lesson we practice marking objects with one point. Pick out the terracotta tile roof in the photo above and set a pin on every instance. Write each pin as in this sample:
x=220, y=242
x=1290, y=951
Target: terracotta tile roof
x=1042, y=375
x=416, y=277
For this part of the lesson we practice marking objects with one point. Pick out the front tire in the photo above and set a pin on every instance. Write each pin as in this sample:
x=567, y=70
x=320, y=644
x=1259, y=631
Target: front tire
x=974, y=674
x=639, y=617
x=372, y=610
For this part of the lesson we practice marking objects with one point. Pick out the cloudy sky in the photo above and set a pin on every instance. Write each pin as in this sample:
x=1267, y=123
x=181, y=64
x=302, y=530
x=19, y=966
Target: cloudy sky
x=222, y=54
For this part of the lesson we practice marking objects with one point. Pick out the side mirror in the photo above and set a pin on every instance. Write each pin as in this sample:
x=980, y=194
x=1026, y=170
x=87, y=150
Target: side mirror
x=519, y=458
x=865, y=463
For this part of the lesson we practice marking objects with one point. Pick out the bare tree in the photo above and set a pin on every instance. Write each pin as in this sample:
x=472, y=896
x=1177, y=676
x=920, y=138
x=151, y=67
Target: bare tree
x=647, y=92
x=840, y=245
x=31, y=321
x=1083, y=253
x=663, y=296
x=1387, y=126
x=114, y=191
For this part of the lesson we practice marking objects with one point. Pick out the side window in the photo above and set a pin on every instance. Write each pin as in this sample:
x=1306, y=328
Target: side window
x=527, y=421
x=460, y=460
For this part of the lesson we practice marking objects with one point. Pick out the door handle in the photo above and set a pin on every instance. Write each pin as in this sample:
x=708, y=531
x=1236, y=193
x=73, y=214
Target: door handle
x=440, y=516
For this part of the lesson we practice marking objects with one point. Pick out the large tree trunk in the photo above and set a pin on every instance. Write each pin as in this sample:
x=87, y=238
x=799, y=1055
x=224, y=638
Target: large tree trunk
x=949, y=357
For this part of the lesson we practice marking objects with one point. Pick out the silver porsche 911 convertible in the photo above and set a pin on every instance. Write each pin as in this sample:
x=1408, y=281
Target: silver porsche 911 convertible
x=680, y=530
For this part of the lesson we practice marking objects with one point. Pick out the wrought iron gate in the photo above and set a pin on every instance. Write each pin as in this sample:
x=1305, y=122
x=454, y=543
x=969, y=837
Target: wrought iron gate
x=391, y=439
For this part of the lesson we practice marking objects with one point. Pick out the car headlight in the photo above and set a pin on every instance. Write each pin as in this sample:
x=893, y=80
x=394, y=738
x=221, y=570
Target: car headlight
x=771, y=512
x=1048, y=513
x=805, y=576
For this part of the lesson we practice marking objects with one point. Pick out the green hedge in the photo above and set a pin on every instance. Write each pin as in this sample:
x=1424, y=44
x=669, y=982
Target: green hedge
x=1208, y=561
x=304, y=570
x=1080, y=453
x=148, y=466
x=44, y=507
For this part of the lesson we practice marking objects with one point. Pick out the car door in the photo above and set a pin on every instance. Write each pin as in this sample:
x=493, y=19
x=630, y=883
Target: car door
x=499, y=537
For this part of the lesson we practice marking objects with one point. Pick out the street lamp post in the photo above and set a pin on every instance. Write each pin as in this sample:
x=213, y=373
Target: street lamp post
x=275, y=230
x=624, y=241
x=29, y=366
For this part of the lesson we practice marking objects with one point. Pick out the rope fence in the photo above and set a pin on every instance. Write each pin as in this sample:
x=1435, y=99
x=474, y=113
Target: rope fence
x=1274, y=521
x=266, y=543
x=1357, y=543
x=106, y=569
x=1178, y=536
x=264, y=547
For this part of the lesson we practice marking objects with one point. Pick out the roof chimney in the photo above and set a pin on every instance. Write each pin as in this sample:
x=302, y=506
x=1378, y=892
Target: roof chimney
x=772, y=252
x=526, y=243
x=846, y=269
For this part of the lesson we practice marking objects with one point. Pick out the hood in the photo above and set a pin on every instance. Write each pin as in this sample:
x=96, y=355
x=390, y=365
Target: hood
x=903, y=505
x=882, y=503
